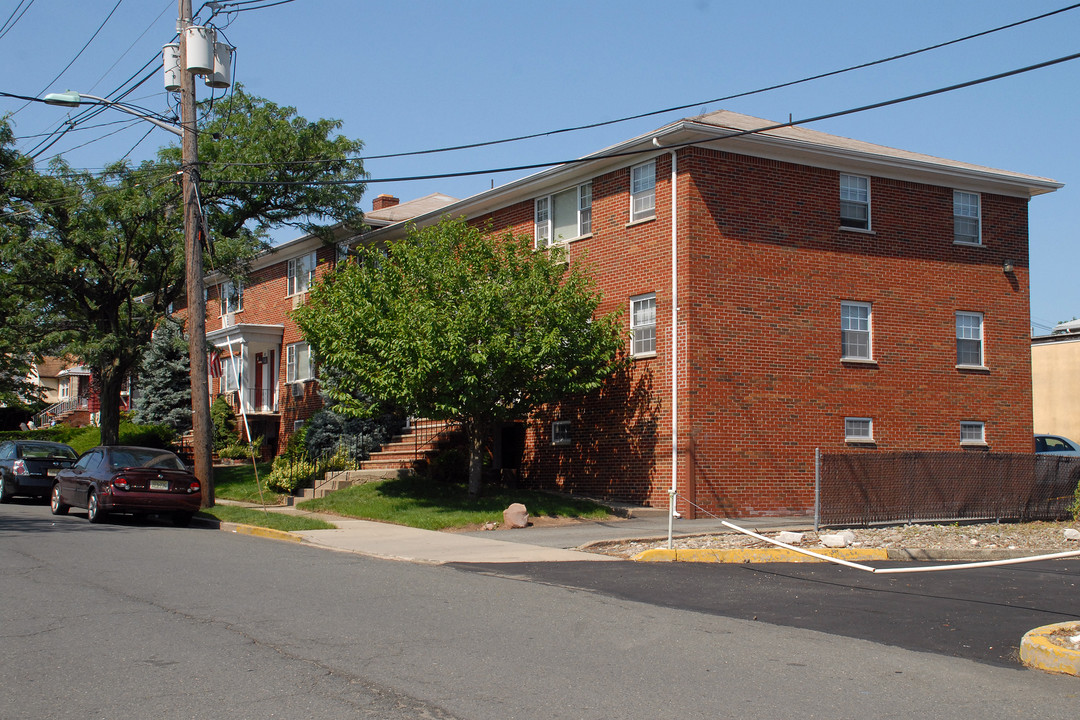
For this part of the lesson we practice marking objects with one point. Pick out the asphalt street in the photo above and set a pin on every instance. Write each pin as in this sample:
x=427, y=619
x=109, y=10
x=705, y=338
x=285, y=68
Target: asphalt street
x=975, y=614
x=140, y=619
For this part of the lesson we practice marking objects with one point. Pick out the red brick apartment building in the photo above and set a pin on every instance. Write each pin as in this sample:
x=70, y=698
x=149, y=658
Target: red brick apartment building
x=825, y=292
x=265, y=363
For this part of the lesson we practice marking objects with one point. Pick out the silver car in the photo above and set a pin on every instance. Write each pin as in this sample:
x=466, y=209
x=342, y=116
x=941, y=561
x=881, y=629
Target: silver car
x=1056, y=445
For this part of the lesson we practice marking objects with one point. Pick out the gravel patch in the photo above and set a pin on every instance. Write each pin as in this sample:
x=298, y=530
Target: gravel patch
x=1035, y=538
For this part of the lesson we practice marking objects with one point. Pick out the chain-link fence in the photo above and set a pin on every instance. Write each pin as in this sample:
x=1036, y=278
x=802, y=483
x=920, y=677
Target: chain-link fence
x=865, y=488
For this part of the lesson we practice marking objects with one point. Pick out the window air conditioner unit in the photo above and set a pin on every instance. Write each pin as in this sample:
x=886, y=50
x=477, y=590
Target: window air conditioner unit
x=229, y=320
x=297, y=390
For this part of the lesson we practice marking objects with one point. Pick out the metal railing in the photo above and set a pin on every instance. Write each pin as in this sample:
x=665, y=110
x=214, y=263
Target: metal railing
x=426, y=433
x=47, y=416
x=255, y=401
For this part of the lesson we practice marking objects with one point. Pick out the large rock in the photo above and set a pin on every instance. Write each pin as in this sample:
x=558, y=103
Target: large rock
x=516, y=516
x=839, y=540
x=1072, y=534
x=790, y=538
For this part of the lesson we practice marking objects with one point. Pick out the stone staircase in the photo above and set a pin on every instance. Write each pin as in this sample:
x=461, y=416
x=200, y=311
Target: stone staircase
x=406, y=452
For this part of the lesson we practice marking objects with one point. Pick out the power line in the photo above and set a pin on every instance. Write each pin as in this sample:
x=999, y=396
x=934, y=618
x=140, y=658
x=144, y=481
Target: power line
x=78, y=54
x=574, y=161
x=10, y=22
x=651, y=113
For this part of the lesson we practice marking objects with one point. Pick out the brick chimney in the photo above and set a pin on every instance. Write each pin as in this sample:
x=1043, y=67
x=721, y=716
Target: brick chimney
x=384, y=201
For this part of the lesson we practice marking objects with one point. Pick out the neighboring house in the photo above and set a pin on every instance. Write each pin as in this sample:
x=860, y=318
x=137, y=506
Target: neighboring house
x=66, y=389
x=46, y=375
x=265, y=365
x=827, y=293
x=1055, y=381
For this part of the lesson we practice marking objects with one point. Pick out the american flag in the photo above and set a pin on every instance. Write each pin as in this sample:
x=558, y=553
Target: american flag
x=215, y=364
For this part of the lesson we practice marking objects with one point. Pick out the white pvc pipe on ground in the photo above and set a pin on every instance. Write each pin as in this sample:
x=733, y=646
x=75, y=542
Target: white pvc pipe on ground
x=893, y=571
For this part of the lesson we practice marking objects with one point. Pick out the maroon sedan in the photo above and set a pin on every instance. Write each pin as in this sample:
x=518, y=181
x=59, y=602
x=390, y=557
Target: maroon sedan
x=123, y=479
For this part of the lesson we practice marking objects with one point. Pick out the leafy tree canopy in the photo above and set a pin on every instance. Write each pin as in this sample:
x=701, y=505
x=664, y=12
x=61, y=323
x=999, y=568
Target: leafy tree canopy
x=453, y=323
x=96, y=258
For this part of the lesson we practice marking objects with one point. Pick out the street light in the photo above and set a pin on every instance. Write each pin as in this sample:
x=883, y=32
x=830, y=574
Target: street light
x=74, y=99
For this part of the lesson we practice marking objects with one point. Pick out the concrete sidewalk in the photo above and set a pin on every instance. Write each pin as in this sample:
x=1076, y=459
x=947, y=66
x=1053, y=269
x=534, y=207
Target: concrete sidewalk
x=561, y=543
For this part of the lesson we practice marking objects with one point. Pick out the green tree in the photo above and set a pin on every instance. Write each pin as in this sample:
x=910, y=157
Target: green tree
x=164, y=384
x=99, y=256
x=453, y=323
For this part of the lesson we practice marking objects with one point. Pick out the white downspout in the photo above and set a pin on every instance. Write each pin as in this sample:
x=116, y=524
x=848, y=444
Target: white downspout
x=674, y=346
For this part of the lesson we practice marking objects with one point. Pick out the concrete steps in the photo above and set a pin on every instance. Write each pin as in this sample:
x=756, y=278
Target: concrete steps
x=406, y=452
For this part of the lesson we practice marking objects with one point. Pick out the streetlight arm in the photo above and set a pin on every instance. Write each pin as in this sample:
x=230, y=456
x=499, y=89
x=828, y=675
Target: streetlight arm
x=74, y=99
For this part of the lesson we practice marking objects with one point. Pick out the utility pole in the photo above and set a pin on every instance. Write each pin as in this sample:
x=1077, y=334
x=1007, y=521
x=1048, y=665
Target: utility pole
x=196, y=300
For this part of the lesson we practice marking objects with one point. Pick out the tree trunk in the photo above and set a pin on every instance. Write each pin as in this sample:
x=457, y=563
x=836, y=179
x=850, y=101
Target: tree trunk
x=109, y=385
x=476, y=458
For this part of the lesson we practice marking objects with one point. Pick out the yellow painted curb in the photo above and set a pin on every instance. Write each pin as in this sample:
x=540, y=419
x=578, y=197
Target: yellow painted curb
x=759, y=555
x=256, y=531
x=1037, y=651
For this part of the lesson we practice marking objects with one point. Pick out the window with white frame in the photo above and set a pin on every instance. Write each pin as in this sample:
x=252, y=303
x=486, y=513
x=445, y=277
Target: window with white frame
x=643, y=324
x=858, y=429
x=972, y=433
x=297, y=362
x=342, y=251
x=232, y=297
x=855, y=331
x=643, y=191
x=300, y=273
x=966, y=225
x=560, y=432
x=563, y=215
x=969, y=339
x=855, y=202
x=231, y=373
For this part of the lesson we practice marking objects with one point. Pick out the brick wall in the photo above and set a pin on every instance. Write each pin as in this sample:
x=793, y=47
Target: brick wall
x=763, y=268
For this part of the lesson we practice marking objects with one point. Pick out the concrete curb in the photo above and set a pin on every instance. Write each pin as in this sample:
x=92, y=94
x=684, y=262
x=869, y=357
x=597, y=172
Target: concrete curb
x=256, y=531
x=758, y=555
x=783, y=555
x=1037, y=651
x=252, y=530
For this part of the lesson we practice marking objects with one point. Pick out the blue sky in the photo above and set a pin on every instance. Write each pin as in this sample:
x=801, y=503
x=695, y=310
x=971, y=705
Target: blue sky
x=405, y=76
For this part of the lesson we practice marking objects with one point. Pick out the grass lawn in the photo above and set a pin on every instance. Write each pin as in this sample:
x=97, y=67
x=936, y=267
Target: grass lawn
x=237, y=482
x=260, y=518
x=430, y=505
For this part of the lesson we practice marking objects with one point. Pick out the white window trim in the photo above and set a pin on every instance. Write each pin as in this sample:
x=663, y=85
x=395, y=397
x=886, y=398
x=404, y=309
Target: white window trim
x=292, y=276
x=557, y=437
x=869, y=332
x=978, y=219
x=869, y=229
x=291, y=363
x=224, y=293
x=981, y=441
x=868, y=439
x=543, y=230
x=633, y=327
x=982, y=341
x=229, y=374
x=649, y=214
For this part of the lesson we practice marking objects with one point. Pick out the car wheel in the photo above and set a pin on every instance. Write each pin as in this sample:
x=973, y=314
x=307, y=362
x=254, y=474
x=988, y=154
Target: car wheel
x=93, y=512
x=55, y=505
x=4, y=494
x=181, y=519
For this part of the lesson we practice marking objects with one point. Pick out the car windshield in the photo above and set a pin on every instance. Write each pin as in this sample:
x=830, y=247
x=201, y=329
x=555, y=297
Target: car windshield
x=136, y=457
x=42, y=450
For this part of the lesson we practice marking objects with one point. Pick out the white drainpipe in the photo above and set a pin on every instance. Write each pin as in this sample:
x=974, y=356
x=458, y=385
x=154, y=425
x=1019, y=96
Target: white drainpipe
x=674, y=347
